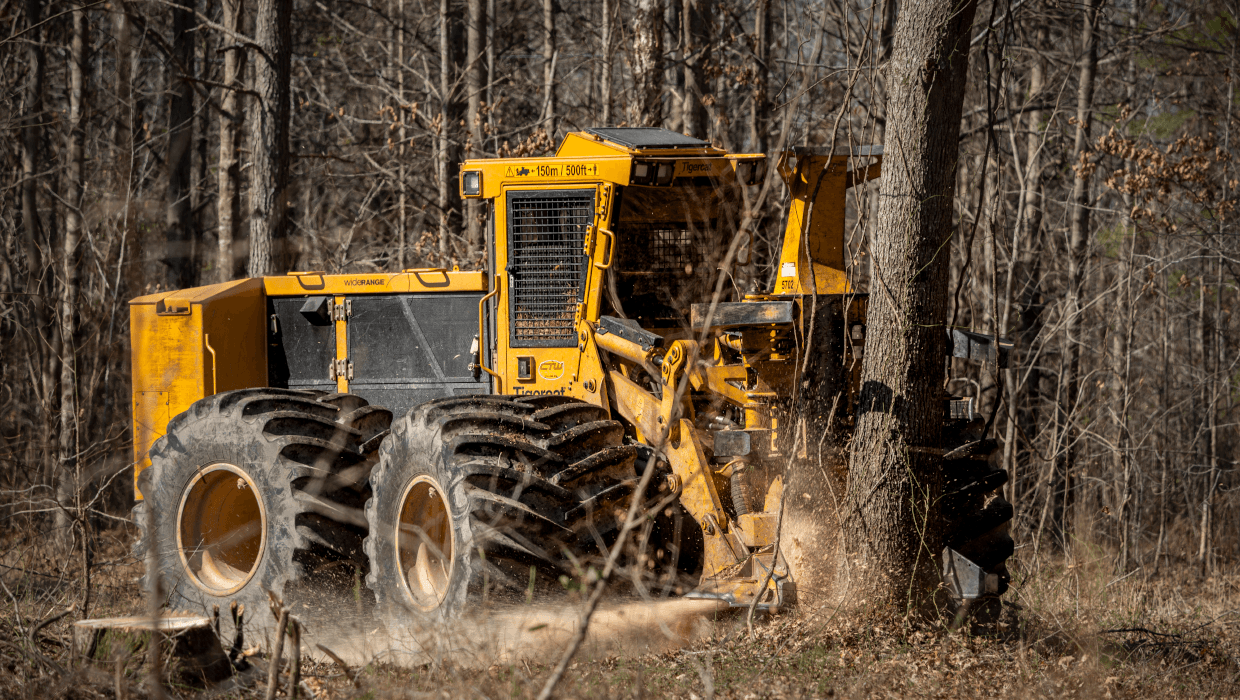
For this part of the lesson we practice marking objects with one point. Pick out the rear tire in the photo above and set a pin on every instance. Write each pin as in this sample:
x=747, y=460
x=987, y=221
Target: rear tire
x=258, y=490
x=472, y=493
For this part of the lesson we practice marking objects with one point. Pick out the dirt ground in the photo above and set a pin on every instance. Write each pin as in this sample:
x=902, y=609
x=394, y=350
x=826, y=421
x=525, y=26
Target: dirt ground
x=1073, y=630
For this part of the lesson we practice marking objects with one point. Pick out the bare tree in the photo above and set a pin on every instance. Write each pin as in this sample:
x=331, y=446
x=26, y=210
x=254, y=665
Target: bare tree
x=269, y=138
x=760, y=104
x=446, y=150
x=647, y=59
x=231, y=121
x=475, y=78
x=1079, y=241
x=180, y=233
x=695, y=41
x=550, y=58
x=66, y=485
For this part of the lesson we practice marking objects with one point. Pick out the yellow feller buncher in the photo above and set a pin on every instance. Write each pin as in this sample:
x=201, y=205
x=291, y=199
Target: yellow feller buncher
x=445, y=435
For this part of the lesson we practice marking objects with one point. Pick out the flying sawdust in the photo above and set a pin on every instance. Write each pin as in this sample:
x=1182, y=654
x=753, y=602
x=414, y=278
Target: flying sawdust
x=508, y=634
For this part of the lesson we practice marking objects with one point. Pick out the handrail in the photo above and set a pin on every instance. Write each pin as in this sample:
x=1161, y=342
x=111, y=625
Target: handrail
x=482, y=335
x=206, y=339
x=611, y=248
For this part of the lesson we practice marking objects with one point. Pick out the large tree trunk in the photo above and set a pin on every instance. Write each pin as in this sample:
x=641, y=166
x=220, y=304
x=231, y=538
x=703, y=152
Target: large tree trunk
x=66, y=483
x=269, y=151
x=647, y=104
x=232, y=119
x=179, y=234
x=1062, y=484
x=892, y=525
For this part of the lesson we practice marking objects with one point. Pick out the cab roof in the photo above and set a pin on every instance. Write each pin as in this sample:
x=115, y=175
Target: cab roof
x=623, y=141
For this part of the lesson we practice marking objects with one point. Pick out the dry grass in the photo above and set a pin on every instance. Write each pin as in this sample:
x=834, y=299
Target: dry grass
x=1077, y=631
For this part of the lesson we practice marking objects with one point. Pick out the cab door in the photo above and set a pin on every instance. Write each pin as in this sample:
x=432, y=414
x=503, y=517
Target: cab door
x=551, y=256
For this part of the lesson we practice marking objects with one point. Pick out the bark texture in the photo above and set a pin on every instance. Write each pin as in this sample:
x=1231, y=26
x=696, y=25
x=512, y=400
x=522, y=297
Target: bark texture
x=647, y=57
x=475, y=80
x=892, y=527
x=269, y=151
x=66, y=485
x=447, y=152
x=696, y=40
x=232, y=121
x=179, y=234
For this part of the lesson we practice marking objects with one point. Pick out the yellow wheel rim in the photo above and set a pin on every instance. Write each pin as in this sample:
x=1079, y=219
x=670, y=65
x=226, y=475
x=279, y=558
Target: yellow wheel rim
x=221, y=529
x=424, y=543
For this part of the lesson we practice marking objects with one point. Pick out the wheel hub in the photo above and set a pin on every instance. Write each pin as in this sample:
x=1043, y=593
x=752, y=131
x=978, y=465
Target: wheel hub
x=424, y=543
x=221, y=529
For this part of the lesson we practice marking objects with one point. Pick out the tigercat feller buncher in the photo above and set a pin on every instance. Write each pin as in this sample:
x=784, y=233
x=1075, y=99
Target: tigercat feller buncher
x=448, y=434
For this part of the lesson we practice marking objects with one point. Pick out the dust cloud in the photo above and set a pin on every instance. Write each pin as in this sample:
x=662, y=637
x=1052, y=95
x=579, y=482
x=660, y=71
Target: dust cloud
x=510, y=634
x=810, y=539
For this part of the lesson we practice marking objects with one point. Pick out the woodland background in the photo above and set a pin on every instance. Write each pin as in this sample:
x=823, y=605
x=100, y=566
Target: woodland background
x=1094, y=226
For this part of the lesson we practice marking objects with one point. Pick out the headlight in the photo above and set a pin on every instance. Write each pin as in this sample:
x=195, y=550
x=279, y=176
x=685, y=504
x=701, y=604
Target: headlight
x=744, y=171
x=471, y=183
x=751, y=172
x=666, y=171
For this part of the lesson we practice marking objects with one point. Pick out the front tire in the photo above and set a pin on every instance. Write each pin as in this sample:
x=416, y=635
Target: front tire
x=488, y=496
x=253, y=490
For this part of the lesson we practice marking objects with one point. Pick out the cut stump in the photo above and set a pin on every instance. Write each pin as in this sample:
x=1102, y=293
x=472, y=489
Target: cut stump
x=189, y=650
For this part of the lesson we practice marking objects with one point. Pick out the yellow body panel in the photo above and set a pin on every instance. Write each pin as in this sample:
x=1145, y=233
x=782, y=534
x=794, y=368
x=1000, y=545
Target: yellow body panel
x=189, y=344
x=812, y=256
x=430, y=280
x=192, y=343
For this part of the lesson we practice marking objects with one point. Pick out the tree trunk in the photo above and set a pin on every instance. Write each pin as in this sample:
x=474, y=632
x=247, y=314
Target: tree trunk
x=33, y=238
x=605, y=82
x=232, y=119
x=549, y=61
x=892, y=525
x=475, y=79
x=200, y=190
x=647, y=103
x=66, y=483
x=446, y=153
x=269, y=151
x=760, y=110
x=1062, y=486
x=402, y=197
x=696, y=42
x=490, y=81
x=1022, y=391
x=179, y=235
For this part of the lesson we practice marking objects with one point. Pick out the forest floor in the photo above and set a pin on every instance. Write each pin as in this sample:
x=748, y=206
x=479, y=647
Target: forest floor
x=1074, y=631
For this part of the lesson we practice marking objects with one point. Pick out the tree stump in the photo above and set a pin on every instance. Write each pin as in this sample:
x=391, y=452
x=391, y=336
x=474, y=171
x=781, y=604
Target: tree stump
x=189, y=650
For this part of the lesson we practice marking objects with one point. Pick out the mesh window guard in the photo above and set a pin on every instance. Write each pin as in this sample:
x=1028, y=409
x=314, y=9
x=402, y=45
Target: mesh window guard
x=547, y=264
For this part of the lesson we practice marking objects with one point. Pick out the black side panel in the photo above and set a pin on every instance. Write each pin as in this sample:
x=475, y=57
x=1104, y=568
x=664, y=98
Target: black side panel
x=408, y=349
x=300, y=346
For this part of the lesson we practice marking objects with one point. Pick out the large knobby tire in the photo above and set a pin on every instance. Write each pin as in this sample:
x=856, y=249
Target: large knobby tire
x=977, y=516
x=256, y=490
x=488, y=495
